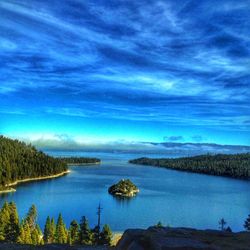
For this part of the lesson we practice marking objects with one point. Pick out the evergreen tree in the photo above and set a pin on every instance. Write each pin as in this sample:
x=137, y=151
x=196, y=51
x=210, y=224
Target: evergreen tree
x=106, y=235
x=4, y=220
x=47, y=231
x=61, y=231
x=52, y=231
x=95, y=235
x=247, y=223
x=86, y=236
x=32, y=217
x=222, y=224
x=25, y=234
x=12, y=228
x=35, y=236
x=21, y=235
x=40, y=233
x=74, y=232
x=69, y=240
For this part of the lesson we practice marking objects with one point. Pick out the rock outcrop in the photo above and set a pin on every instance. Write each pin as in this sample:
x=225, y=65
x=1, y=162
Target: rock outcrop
x=163, y=238
x=124, y=188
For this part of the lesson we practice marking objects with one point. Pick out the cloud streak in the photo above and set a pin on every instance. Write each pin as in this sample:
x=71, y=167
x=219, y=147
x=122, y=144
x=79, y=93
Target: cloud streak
x=184, y=64
x=69, y=142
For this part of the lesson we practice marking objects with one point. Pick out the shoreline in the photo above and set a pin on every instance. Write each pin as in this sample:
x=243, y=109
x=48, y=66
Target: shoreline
x=11, y=190
x=32, y=179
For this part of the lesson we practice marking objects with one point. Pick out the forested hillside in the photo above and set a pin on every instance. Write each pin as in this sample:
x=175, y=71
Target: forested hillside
x=20, y=161
x=234, y=165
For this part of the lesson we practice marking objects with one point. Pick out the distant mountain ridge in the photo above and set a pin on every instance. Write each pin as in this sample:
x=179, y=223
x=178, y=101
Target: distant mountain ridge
x=70, y=143
x=198, y=144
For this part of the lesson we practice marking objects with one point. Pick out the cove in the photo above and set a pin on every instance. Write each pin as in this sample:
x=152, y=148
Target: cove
x=175, y=198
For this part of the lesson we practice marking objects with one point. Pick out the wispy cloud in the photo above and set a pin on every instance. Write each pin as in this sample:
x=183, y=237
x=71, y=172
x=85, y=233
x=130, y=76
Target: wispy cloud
x=173, y=138
x=182, y=63
x=70, y=142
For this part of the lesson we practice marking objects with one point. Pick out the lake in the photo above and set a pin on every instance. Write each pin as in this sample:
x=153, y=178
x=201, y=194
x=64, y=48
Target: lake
x=175, y=198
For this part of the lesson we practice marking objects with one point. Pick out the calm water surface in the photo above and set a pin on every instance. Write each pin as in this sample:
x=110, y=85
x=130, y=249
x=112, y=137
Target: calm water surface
x=172, y=197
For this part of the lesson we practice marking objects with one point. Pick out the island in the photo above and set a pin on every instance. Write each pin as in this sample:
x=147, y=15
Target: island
x=21, y=162
x=124, y=188
x=80, y=160
x=229, y=165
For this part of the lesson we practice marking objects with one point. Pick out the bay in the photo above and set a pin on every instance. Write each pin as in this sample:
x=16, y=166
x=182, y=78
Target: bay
x=175, y=198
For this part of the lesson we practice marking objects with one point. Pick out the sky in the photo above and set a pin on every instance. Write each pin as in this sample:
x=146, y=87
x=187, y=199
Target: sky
x=125, y=71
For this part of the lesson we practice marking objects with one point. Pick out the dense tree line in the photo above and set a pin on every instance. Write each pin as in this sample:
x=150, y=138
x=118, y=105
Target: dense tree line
x=20, y=161
x=80, y=160
x=232, y=165
x=28, y=231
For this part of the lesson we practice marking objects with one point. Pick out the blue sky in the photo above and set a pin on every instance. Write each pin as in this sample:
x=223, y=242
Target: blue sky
x=116, y=70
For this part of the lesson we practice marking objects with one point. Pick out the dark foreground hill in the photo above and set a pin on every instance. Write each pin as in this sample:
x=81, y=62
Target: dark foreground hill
x=160, y=238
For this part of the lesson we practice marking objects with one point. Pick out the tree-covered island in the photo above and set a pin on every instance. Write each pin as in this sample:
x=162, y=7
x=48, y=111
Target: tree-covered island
x=124, y=188
x=230, y=165
x=21, y=162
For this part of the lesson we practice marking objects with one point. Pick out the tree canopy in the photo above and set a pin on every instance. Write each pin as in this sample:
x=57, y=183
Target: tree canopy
x=28, y=231
x=231, y=165
x=20, y=161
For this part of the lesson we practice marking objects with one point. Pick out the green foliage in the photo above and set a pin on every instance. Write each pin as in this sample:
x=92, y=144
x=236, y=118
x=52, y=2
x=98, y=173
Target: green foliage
x=106, y=235
x=96, y=235
x=12, y=227
x=159, y=224
x=61, y=231
x=35, y=236
x=9, y=222
x=4, y=220
x=234, y=165
x=86, y=235
x=123, y=188
x=25, y=234
x=53, y=230
x=247, y=223
x=74, y=233
x=20, y=161
x=28, y=231
x=69, y=240
x=32, y=217
x=47, y=230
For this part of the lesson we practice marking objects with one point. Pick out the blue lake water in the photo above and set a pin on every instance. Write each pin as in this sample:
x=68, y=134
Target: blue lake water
x=175, y=198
